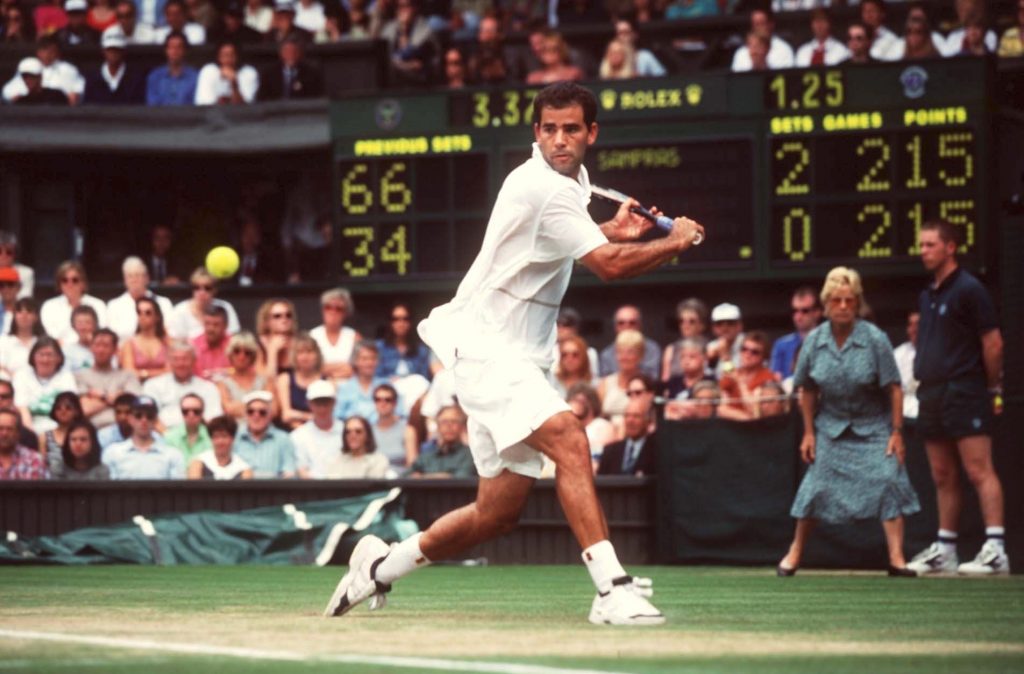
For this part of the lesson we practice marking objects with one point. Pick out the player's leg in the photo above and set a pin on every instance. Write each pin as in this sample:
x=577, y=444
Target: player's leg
x=941, y=556
x=976, y=455
x=499, y=503
x=791, y=562
x=621, y=599
x=374, y=565
x=562, y=439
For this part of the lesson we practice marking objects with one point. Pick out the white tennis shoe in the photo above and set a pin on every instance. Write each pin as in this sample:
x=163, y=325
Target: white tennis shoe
x=626, y=604
x=931, y=561
x=360, y=583
x=991, y=561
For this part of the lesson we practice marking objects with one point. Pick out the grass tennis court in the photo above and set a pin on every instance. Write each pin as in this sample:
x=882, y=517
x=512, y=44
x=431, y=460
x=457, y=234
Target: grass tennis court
x=529, y=619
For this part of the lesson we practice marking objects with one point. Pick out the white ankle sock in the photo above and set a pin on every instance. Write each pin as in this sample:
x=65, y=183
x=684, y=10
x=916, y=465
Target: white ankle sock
x=603, y=565
x=996, y=536
x=403, y=559
x=947, y=541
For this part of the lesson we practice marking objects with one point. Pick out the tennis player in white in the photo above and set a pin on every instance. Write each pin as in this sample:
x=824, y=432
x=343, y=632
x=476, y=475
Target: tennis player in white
x=498, y=335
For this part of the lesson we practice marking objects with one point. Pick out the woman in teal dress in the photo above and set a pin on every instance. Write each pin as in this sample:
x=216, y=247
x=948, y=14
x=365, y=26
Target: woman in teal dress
x=852, y=407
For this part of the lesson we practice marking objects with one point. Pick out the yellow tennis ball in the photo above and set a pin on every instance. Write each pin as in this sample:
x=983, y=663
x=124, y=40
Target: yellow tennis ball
x=222, y=261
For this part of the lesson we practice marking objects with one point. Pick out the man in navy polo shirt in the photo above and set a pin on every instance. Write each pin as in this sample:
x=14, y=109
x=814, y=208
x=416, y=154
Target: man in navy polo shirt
x=959, y=364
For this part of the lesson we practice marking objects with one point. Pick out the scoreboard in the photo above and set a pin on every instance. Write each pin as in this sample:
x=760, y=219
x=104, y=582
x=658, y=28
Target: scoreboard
x=791, y=172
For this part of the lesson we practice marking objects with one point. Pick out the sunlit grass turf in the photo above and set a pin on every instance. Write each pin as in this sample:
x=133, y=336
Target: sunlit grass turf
x=738, y=611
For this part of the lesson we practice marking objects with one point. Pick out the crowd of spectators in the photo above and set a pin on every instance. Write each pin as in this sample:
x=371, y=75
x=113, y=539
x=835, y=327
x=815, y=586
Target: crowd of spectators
x=451, y=43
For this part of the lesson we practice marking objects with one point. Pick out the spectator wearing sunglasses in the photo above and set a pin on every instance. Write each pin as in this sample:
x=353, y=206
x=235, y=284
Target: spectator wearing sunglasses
x=268, y=449
x=190, y=436
x=186, y=321
x=141, y=456
x=72, y=285
x=806, y=311
x=394, y=437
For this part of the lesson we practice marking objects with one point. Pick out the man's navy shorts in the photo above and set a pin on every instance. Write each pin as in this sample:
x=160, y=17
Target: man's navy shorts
x=955, y=409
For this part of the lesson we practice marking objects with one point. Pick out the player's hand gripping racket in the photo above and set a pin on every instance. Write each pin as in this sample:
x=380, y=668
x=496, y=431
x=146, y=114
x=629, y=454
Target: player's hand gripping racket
x=660, y=221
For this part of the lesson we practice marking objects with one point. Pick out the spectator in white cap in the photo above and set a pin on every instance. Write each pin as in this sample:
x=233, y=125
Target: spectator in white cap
x=57, y=74
x=176, y=17
x=121, y=311
x=724, y=350
x=318, y=441
x=115, y=82
x=128, y=25
x=30, y=75
x=268, y=449
x=77, y=32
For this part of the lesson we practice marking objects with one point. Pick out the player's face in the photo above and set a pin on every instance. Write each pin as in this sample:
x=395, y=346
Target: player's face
x=563, y=138
x=934, y=251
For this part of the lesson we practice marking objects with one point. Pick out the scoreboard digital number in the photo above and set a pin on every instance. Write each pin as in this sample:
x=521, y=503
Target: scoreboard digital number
x=791, y=172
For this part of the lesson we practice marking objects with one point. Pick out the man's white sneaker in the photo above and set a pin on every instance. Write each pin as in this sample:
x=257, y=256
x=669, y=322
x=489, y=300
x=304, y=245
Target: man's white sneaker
x=626, y=604
x=359, y=583
x=932, y=561
x=991, y=561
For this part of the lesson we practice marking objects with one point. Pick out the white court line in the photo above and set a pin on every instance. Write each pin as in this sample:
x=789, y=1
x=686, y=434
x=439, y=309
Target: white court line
x=291, y=656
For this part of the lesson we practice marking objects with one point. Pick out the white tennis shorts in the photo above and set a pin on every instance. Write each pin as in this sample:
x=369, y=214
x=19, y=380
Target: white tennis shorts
x=506, y=400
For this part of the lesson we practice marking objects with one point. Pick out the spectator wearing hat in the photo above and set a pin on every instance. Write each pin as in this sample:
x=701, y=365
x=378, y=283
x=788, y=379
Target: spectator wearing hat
x=175, y=82
x=233, y=28
x=724, y=349
x=30, y=75
x=56, y=74
x=77, y=32
x=115, y=82
x=128, y=25
x=169, y=388
x=228, y=81
x=8, y=259
x=121, y=429
x=141, y=456
x=176, y=19
x=10, y=284
x=628, y=317
x=283, y=24
x=268, y=449
x=293, y=76
x=318, y=441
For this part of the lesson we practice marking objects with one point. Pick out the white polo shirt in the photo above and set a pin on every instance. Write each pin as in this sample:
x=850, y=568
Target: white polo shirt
x=508, y=302
x=317, y=449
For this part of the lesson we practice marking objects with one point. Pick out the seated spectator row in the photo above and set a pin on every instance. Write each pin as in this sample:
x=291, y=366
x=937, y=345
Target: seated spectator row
x=428, y=44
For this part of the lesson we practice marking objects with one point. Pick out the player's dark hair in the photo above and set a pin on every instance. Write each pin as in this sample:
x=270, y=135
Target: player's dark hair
x=947, y=231
x=92, y=459
x=224, y=423
x=561, y=95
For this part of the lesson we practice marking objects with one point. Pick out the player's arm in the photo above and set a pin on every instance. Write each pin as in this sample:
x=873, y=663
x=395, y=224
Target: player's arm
x=626, y=260
x=992, y=356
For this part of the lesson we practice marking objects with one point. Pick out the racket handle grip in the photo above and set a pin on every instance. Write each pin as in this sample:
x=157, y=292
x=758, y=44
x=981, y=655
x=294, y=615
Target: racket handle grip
x=662, y=222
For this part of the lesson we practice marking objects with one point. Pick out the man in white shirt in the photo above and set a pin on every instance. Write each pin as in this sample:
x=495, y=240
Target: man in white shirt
x=121, y=316
x=498, y=333
x=57, y=74
x=780, y=54
x=885, y=44
x=823, y=49
x=318, y=441
x=904, y=354
x=169, y=388
x=128, y=27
